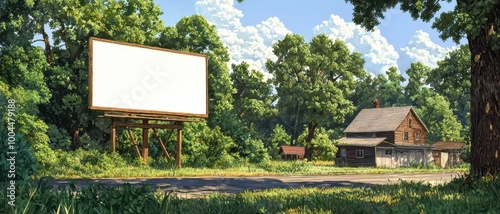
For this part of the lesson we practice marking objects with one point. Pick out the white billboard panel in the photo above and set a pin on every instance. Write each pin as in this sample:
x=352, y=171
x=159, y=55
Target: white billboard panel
x=134, y=78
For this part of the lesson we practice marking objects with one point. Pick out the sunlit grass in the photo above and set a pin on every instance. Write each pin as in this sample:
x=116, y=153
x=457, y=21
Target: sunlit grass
x=404, y=197
x=269, y=168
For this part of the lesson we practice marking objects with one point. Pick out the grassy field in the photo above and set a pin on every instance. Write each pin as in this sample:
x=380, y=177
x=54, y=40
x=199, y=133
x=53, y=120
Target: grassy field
x=268, y=168
x=454, y=197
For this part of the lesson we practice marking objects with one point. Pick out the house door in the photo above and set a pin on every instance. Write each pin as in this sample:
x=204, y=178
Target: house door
x=437, y=158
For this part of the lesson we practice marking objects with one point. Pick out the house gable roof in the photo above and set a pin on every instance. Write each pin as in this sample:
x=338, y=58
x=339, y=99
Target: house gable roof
x=365, y=142
x=292, y=150
x=380, y=119
x=448, y=145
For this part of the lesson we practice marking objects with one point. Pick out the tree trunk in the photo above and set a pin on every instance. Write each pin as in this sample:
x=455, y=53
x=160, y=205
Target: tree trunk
x=485, y=103
x=311, y=134
x=295, y=126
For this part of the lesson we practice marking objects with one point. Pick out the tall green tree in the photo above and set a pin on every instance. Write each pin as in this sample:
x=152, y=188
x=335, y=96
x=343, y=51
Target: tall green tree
x=253, y=100
x=389, y=88
x=452, y=80
x=433, y=108
x=313, y=81
x=22, y=85
x=415, y=89
x=63, y=30
x=435, y=112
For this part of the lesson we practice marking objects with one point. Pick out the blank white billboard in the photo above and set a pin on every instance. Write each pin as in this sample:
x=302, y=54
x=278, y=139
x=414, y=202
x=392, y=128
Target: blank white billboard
x=134, y=78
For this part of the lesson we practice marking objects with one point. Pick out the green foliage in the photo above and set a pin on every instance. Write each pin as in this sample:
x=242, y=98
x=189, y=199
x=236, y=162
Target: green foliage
x=59, y=138
x=279, y=137
x=442, y=123
x=451, y=79
x=313, y=81
x=287, y=167
x=253, y=100
x=83, y=163
x=19, y=165
x=206, y=147
x=389, y=88
x=323, y=148
x=414, y=90
x=404, y=197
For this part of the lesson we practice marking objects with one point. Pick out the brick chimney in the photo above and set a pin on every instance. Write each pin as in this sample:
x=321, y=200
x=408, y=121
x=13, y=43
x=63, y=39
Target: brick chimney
x=376, y=103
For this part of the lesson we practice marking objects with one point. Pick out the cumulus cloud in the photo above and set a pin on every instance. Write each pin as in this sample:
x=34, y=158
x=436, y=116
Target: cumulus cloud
x=377, y=52
x=420, y=48
x=252, y=44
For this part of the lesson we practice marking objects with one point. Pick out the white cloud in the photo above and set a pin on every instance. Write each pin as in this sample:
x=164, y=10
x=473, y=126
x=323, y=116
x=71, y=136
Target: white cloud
x=420, y=48
x=377, y=52
x=252, y=44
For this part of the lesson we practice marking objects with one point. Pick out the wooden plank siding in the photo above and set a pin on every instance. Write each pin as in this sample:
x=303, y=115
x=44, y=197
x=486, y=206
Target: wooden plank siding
x=416, y=126
x=351, y=160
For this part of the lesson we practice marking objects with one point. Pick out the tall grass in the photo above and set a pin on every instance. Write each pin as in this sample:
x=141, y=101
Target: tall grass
x=406, y=197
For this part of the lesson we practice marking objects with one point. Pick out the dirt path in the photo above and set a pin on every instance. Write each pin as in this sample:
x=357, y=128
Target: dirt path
x=198, y=186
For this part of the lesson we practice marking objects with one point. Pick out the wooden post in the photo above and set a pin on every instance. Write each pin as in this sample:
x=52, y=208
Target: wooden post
x=113, y=135
x=179, y=147
x=145, y=145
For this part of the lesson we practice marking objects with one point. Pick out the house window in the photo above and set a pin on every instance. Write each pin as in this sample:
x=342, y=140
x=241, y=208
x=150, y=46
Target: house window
x=417, y=136
x=409, y=123
x=360, y=153
x=343, y=153
x=388, y=152
x=405, y=136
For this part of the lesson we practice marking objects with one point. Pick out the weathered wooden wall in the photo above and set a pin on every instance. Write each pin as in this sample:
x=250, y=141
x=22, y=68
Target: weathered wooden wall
x=415, y=127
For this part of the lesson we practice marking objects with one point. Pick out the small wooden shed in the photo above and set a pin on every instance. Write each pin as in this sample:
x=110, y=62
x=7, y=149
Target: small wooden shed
x=292, y=152
x=447, y=153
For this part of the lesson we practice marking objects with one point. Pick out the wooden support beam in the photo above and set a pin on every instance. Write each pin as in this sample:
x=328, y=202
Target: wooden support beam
x=136, y=148
x=149, y=126
x=113, y=135
x=162, y=146
x=149, y=117
x=145, y=140
x=179, y=147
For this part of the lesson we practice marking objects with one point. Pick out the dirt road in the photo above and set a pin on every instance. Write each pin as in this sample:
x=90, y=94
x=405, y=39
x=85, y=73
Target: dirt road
x=197, y=186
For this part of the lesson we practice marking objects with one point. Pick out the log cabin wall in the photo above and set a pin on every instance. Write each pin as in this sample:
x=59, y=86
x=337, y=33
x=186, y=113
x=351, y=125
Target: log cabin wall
x=412, y=126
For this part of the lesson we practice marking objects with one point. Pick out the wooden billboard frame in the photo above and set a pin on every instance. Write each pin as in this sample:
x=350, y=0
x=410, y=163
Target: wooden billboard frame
x=115, y=114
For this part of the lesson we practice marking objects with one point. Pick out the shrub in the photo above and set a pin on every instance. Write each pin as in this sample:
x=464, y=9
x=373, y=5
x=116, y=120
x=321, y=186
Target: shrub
x=24, y=161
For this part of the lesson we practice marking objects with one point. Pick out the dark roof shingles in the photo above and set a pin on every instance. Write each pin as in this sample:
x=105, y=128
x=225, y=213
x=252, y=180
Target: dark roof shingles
x=378, y=119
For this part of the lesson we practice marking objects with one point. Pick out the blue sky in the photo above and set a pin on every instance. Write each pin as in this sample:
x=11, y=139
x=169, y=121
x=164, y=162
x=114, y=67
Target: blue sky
x=249, y=29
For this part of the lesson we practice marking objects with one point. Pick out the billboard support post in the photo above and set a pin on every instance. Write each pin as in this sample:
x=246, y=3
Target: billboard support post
x=120, y=120
x=145, y=139
x=113, y=135
x=179, y=147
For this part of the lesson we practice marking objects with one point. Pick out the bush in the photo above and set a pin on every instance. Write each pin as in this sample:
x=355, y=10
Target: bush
x=24, y=162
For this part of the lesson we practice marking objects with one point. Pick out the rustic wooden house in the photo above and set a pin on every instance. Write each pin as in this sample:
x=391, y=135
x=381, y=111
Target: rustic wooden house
x=385, y=137
x=447, y=154
x=292, y=152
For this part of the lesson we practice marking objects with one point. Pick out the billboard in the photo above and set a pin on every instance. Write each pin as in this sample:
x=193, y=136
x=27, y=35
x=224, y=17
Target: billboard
x=131, y=78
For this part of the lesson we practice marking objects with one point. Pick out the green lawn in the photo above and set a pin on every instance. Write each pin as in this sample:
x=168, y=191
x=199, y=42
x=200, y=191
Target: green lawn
x=269, y=168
